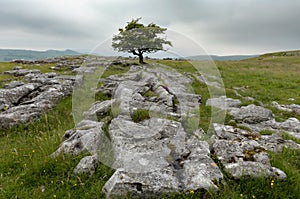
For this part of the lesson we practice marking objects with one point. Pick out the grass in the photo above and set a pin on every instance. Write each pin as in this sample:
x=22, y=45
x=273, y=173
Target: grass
x=44, y=68
x=27, y=170
x=286, y=136
x=140, y=115
x=266, y=132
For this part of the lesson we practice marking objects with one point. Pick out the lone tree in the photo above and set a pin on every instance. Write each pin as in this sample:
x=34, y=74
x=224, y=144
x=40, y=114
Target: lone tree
x=138, y=39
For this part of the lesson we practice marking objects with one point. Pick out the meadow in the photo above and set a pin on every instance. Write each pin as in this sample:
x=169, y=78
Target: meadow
x=28, y=171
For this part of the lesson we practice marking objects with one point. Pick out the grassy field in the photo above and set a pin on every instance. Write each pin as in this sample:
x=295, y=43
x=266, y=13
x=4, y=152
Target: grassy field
x=27, y=171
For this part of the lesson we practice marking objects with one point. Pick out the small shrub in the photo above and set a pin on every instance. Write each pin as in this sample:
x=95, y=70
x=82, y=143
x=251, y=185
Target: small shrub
x=150, y=94
x=249, y=155
x=100, y=96
x=232, y=123
x=240, y=126
x=266, y=132
x=140, y=115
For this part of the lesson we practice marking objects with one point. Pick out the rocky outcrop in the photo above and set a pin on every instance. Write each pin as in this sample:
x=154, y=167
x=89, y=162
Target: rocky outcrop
x=243, y=153
x=22, y=102
x=224, y=103
x=153, y=156
x=251, y=114
x=288, y=108
x=156, y=155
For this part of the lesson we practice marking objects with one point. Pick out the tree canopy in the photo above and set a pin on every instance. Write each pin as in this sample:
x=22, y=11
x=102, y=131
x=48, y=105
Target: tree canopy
x=136, y=38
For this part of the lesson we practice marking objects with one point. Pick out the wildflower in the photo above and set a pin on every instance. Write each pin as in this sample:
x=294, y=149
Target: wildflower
x=272, y=183
x=192, y=192
x=253, y=196
x=54, y=196
x=33, y=151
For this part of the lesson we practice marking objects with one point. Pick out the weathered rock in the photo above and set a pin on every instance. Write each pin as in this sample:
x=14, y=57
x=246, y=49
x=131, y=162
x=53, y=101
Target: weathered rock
x=288, y=108
x=243, y=153
x=22, y=72
x=295, y=108
x=252, y=114
x=86, y=137
x=13, y=84
x=161, y=151
x=154, y=156
x=291, y=125
x=17, y=67
x=14, y=96
x=154, y=183
x=21, y=103
x=223, y=103
x=98, y=110
x=87, y=165
x=19, y=115
x=276, y=143
x=253, y=169
x=84, y=70
x=281, y=107
x=23, y=109
x=232, y=133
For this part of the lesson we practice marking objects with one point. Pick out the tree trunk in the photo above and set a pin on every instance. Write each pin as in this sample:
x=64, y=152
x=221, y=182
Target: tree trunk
x=140, y=54
x=141, y=58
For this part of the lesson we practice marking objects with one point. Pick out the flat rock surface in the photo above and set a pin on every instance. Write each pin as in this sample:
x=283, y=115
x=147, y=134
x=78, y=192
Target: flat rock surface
x=153, y=156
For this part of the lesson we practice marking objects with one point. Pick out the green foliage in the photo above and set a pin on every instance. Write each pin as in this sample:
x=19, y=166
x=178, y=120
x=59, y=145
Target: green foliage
x=138, y=39
x=240, y=126
x=266, y=132
x=140, y=115
x=286, y=136
x=150, y=94
x=100, y=96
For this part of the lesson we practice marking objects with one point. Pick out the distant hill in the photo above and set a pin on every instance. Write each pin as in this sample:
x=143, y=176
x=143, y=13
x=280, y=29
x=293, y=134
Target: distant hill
x=221, y=58
x=282, y=54
x=10, y=54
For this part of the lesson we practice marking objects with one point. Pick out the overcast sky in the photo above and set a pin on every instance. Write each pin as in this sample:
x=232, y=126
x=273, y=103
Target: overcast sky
x=222, y=27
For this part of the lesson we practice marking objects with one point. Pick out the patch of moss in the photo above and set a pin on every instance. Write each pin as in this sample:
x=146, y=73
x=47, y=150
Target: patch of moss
x=150, y=94
x=240, y=126
x=100, y=96
x=266, y=132
x=140, y=115
x=249, y=155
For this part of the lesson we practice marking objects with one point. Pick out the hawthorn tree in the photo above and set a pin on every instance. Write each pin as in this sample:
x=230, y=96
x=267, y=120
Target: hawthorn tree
x=136, y=38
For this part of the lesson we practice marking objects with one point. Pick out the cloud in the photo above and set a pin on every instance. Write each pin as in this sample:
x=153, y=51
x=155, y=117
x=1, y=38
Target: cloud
x=222, y=27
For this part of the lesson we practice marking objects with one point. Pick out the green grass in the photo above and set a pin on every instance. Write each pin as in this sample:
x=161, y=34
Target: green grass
x=266, y=132
x=44, y=68
x=27, y=170
x=140, y=115
x=286, y=136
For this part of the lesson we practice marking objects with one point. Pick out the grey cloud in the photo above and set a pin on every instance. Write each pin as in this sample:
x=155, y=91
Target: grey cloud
x=25, y=16
x=269, y=24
